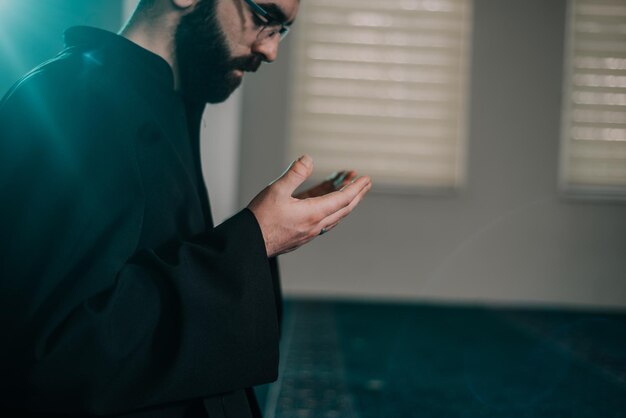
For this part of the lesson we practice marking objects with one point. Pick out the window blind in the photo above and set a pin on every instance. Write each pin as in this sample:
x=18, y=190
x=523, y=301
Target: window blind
x=380, y=87
x=593, y=151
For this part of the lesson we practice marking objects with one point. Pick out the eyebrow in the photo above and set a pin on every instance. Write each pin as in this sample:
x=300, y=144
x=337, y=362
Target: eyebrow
x=276, y=13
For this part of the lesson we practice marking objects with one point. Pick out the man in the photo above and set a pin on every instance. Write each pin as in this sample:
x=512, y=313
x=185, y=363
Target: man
x=119, y=296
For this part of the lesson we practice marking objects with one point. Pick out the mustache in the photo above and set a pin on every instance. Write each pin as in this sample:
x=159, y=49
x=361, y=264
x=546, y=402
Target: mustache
x=250, y=63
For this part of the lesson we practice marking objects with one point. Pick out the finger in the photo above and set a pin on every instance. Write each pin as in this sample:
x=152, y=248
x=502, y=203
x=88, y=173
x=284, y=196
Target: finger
x=332, y=202
x=295, y=175
x=329, y=227
x=333, y=219
x=353, y=180
x=350, y=176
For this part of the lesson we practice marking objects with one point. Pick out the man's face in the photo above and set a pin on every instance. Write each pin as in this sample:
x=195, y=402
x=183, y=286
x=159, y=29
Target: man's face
x=218, y=41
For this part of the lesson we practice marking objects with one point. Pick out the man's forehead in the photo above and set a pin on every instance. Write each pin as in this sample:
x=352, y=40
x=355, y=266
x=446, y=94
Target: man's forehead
x=284, y=11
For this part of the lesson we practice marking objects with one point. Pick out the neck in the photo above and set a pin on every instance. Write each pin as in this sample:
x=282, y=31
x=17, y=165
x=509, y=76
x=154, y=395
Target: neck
x=156, y=34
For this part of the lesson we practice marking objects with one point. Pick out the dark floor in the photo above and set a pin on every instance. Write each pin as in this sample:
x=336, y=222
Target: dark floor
x=365, y=360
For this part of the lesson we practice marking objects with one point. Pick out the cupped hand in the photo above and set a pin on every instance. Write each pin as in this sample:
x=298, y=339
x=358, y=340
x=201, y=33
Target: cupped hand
x=288, y=222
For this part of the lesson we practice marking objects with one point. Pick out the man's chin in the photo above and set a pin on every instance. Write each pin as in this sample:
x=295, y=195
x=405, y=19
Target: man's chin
x=222, y=96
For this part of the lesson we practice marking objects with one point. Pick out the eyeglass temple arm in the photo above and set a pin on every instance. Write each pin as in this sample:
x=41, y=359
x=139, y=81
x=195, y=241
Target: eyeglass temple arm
x=257, y=8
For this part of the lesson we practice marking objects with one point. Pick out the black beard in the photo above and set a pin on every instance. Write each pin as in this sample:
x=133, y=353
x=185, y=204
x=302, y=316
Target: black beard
x=204, y=61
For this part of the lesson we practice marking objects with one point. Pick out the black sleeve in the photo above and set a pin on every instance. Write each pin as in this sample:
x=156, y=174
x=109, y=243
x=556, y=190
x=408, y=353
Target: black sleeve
x=92, y=323
x=278, y=291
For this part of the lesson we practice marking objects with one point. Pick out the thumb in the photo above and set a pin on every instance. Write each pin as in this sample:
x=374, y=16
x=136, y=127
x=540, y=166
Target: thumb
x=296, y=174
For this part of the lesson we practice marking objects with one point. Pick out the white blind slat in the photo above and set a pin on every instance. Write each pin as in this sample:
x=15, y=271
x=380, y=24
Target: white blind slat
x=594, y=126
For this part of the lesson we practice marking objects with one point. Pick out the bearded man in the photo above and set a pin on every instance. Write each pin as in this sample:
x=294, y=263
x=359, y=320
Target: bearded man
x=119, y=296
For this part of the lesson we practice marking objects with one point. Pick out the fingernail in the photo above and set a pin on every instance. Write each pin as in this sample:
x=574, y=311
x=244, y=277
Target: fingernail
x=305, y=159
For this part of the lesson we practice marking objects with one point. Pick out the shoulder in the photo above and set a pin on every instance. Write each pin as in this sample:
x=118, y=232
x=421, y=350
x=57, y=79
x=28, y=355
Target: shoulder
x=71, y=83
x=64, y=120
x=71, y=99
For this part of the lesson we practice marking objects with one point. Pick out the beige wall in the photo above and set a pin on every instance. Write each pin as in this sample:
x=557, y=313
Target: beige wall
x=508, y=237
x=31, y=31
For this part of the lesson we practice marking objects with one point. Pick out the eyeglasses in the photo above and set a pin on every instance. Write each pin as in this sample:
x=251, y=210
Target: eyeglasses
x=269, y=26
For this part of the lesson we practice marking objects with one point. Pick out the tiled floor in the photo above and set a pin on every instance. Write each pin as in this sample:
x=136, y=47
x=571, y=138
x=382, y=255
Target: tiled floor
x=357, y=360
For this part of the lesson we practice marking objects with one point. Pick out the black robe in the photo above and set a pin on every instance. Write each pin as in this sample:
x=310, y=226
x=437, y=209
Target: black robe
x=118, y=295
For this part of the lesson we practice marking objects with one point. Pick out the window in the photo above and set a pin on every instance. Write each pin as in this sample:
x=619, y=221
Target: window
x=593, y=144
x=380, y=86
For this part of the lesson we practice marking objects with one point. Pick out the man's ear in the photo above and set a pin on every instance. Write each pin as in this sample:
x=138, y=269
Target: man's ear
x=184, y=4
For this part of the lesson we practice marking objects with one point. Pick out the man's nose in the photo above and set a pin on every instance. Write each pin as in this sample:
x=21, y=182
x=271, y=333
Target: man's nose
x=267, y=48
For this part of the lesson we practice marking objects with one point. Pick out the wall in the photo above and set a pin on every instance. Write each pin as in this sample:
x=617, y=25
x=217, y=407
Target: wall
x=508, y=237
x=31, y=31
